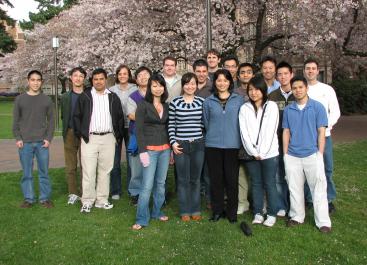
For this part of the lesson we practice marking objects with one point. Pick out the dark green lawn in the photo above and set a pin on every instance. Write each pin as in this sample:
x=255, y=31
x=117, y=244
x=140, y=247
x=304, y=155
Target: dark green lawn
x=64, y=236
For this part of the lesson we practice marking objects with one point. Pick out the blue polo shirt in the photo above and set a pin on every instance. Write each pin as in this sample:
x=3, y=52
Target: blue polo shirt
x=274, y=86
x=303, y=125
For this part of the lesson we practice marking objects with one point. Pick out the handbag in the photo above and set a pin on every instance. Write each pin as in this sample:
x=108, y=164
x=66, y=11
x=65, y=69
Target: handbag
x=242, y=153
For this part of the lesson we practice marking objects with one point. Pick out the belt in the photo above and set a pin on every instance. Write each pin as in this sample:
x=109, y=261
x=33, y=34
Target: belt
x=100, y=133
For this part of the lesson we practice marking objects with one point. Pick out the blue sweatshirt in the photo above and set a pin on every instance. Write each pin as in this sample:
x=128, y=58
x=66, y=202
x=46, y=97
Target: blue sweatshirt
x=221, y=125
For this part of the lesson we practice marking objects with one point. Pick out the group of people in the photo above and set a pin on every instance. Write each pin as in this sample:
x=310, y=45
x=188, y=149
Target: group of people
x=245, y=140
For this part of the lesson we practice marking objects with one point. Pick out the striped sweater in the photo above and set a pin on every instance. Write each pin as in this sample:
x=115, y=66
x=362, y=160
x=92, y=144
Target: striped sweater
x=185, y=119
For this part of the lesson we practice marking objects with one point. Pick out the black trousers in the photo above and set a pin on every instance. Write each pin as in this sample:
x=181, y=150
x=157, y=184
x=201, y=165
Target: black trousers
x=223, y=170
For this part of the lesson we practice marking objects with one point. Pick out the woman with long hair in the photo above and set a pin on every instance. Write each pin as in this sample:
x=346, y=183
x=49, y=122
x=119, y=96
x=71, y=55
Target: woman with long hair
x=185, y=131
x=154, y=150
x=222, y=142
x=258, y=124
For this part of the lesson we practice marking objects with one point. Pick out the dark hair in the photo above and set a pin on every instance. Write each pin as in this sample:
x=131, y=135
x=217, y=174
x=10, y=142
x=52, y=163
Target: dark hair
x=78, y=69
x=98, y=71
x=284, y=64
x=141, y=69
x=229, y=58
x=227, y=75
x=213, y=51
x=157, y=78
x=34, y=72
x=123, y=66
x=170, y=58
x=268, y=59
x=200, y=62
x=242, y=65
x=259, y=83
x=299, y=78
x=310, y=60
x=186, y=78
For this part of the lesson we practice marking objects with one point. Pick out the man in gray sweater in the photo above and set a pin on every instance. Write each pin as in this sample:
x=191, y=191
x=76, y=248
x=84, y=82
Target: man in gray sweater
x=33, y=128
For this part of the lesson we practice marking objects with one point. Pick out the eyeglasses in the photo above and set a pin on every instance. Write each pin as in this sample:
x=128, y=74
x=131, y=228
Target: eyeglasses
x=249, y=72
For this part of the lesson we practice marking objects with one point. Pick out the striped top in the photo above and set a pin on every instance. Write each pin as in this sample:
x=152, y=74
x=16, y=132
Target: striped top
x=185, y=119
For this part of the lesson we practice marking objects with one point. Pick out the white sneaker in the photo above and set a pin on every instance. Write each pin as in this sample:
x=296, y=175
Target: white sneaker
x=86, y=208
x=258, y=219
x=105, y=206
x=73, y=198
x=281, y=213
x=240, y=209
x=270, y=221
x=115, y=197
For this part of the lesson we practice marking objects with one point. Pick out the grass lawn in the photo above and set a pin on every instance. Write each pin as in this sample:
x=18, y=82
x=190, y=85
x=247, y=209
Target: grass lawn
x=64, y=236
x=6, y=120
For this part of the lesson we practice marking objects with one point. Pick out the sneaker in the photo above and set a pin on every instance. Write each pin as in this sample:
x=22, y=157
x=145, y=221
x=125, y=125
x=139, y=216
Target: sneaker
x=241, y=209
x=281, y=213
x=25, y=205
x=270, y=221
x=86, y=208
x=258, y=219
x=73, y=198
x=115, y=197
x=105, y=206
x=47, y=204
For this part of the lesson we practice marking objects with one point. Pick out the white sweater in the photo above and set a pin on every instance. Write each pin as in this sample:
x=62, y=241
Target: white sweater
x=325, y=94
x=267, y=146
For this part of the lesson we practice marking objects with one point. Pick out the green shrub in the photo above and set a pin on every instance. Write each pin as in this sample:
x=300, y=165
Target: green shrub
x=352, y=96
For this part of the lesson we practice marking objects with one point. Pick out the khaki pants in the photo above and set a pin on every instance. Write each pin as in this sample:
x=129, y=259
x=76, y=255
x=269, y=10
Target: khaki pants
x=97, y=160
x=243, y=185
x=309, y=168
x=71, y=154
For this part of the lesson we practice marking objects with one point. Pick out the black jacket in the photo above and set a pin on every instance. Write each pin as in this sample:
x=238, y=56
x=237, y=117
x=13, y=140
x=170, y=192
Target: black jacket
x=150, y=128
x=83, y=114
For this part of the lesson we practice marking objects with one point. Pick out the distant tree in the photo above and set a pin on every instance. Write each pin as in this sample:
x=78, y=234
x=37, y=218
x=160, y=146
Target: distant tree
x=7, y=44
x=47, y=10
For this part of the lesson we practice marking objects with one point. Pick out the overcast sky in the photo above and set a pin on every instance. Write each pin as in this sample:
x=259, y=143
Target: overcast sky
x=21, y=9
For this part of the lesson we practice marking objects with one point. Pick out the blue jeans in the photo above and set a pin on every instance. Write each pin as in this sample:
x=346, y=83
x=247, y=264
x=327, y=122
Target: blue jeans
x=136, y=175
x=282, y=186
x=189, y=166
x=329, y=167
x=154, y=178
x=262, y=173
x=26, y=155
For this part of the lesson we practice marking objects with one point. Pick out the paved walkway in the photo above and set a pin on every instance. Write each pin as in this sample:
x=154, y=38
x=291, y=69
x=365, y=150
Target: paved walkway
x=348, y=129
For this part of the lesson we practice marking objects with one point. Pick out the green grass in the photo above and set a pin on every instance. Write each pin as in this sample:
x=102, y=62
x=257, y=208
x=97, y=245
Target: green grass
x=64, y=236
x=6, y=120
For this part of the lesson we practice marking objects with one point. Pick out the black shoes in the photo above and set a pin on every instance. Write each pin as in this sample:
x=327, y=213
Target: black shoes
x=332, y=208
x=215, y=217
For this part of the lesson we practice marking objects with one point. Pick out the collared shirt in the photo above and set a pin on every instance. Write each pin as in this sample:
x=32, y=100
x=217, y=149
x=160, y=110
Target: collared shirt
x=325, y=94
x=273, y=87
x=303, y=125
x=101, y=118
x=285, y=94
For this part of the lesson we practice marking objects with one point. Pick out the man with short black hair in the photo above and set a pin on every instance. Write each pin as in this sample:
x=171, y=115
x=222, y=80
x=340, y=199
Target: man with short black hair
x=33, y=128
x=268, y=69
x=283, y=97
x=325, y=94
x=71, y=142
x=231, y=63
x=304, y=124
x=244, y=73
x=200, y=68
x=99, y=122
